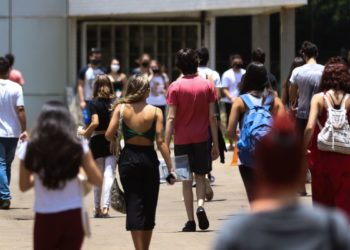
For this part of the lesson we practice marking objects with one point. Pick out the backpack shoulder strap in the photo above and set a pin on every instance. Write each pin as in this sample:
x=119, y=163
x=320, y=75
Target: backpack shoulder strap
x=247, y=101
x=268, y=102
x=325, y=97
x=345, y=98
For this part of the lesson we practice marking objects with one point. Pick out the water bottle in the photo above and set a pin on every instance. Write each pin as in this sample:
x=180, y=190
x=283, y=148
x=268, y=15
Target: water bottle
x=86, y=116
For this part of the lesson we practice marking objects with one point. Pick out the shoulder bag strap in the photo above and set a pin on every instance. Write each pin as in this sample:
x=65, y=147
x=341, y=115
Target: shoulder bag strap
x=325, y=97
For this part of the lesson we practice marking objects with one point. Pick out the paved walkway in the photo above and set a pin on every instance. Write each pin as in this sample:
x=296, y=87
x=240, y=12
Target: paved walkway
x=229, y=199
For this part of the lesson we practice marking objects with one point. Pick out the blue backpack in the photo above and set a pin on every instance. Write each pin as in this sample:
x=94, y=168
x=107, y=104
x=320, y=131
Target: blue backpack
x=256, y=124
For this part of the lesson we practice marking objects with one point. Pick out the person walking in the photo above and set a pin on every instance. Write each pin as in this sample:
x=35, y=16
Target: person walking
x=304, y=83
x=252, y=96
x=278, y=221
x=14, y=74
x=117, y=78
x=138, y=162
x=297, y=62
x=330, y=169
x=53, y=173
x=12, y=128
x=230, y=86
x=191, y=101
x=159, y=84
x=100, y=109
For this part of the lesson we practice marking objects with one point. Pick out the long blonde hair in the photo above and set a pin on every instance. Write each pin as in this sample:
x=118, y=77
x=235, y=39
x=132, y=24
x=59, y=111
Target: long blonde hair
x=137, y=87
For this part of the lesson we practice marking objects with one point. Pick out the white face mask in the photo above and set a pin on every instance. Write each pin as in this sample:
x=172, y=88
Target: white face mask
x=115, y=67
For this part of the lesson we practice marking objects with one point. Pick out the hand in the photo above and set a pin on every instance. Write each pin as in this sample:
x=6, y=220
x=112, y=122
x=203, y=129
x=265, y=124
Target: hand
x=82, y=132
x=214, y=152
x=229, y=135
x=82, y=104
x=233, y=99
x=113, y=147
x=23, y=136
x=171, y=179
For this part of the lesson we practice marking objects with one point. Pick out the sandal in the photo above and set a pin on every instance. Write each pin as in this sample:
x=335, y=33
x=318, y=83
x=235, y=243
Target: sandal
x=104, y=213
x=98, y=213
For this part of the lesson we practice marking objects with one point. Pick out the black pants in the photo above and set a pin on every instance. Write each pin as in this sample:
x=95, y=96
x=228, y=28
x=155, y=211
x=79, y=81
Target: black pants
x=228, y=107
x=248, y=177
x=301, y=125
x=139, y=175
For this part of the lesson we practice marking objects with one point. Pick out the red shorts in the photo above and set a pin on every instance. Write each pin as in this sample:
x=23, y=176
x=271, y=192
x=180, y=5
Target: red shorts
x=61, y=230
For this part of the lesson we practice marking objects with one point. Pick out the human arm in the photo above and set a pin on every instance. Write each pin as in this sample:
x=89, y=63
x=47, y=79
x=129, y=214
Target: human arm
x=113, y=125
x=162, y=146
x=236, y=111
x=214, y=131
x=26, y=178
x=93, y=174
x=82, y=102
x=278, y=107
x=23, y=122
x=285, y=93
x=170, y=124
x=315, y=109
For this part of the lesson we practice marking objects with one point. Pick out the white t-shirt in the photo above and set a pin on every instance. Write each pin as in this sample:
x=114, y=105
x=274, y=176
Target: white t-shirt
x=158, y=91
x=54, y=201
x=90, y=76
x=206, y=72
x=11, y=97
x=230, y=80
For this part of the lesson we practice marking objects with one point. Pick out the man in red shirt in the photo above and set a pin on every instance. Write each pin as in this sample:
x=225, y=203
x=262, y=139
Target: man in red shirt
x=191, y=101
x=14, y=74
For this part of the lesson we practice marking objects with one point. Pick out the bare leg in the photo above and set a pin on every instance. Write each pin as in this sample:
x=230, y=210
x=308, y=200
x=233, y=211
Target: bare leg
x=141, y=239
x=188, y=199
x=200, y=189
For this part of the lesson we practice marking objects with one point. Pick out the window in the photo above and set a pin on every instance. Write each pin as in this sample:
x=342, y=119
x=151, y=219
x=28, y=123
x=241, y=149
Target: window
x=127, y=41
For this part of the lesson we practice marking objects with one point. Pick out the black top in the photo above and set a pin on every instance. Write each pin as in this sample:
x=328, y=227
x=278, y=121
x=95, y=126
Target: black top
x=82, y=71
x=273, y=81
x=102, y=108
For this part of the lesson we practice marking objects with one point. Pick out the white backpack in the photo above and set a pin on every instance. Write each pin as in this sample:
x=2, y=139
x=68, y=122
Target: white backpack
x=335, y=135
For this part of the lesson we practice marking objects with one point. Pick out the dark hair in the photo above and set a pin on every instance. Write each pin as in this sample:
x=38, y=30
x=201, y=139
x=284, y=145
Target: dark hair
x=54, y=152
x=279, y=155
x=235, y=56
x=335, y=76
x=255, y=78
x=203, y=55
x=103, y=87
x=10, y=58
x=187, y=61
x=258, y=55
x=309, y=50
x=94, y=50
x=297, y=62
x=4, y=66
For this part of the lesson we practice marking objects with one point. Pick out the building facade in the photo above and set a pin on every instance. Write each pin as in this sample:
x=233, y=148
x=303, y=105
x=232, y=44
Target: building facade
x=51, y=38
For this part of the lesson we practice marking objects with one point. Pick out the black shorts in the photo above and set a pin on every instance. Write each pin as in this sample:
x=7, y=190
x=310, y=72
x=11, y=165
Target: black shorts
x=197, y=156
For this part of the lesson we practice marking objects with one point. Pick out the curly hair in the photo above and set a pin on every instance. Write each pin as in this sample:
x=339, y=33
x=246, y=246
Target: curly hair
x=138, y=87
x=335, y=76
x=54, y=152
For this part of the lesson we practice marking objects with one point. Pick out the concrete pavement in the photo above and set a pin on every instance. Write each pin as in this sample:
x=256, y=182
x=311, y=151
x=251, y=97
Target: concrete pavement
x=16, y=224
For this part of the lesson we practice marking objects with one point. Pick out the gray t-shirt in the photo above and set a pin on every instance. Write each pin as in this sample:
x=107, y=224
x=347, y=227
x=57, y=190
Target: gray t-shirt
x=290, y=228
x=307, y=78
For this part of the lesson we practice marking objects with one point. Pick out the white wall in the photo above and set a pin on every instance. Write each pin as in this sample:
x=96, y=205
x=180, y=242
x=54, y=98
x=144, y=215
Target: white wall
x=39, y=42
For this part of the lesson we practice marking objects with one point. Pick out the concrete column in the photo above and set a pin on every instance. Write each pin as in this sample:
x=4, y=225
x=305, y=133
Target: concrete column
x=72, y=51
x=287, y=20
x=210, y=40
x=261, y=35
x=4, y=26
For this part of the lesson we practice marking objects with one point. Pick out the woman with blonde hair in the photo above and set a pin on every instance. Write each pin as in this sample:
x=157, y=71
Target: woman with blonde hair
x=100, y=109
x=138, y=162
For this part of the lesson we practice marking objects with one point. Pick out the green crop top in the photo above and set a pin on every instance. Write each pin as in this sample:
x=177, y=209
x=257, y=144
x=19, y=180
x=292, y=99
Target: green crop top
x=149, y=134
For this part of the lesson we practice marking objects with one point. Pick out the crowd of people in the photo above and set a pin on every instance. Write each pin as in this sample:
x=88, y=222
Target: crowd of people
x=278, y=139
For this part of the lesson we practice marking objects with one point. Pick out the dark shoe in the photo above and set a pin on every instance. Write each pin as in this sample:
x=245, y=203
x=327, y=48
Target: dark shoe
x=190, y=226
x=203, y=222
x=5, y=204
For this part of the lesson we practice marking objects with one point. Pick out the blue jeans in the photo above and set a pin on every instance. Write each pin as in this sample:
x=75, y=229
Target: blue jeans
x=7, y=154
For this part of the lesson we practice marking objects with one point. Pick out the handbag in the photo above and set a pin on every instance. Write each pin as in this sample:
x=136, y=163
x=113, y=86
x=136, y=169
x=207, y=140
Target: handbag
x=117, y=195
